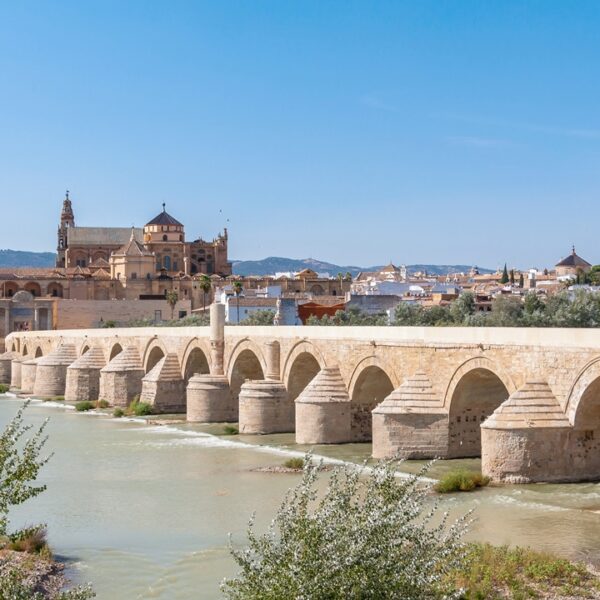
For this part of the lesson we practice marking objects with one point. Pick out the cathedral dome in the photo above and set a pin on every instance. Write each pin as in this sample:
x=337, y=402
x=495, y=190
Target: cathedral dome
x=164, y=218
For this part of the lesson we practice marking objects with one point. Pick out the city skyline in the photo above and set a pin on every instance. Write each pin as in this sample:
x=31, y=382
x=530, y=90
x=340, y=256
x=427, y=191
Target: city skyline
x=350, y=133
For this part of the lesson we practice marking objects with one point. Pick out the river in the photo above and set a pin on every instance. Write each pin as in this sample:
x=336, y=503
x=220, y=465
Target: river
x=144, y=511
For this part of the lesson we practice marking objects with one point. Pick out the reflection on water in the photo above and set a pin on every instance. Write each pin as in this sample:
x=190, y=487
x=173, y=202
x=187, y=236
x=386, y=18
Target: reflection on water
x=144, y=511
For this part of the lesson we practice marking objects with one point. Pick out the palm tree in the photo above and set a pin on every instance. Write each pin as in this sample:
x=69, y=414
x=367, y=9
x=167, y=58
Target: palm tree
x=205, y=286
x=237, y=288
x=172, y=297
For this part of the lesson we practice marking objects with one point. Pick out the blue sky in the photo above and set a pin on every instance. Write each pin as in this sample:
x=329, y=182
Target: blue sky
x=354, y=132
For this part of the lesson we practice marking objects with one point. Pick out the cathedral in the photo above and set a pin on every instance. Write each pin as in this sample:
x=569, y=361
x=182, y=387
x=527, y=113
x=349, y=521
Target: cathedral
x=161, y=243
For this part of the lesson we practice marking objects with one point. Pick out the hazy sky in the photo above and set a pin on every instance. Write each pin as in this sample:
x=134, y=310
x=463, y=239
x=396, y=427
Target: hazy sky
x=354, y=132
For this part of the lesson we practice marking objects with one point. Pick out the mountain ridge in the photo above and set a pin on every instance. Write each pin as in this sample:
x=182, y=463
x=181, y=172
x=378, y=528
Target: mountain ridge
x=275, y=264
x=266, y=266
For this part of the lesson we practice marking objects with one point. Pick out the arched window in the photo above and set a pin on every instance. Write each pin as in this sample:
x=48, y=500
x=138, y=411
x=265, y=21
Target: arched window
x=168, y=263
x=181, y=238
x=165, y=237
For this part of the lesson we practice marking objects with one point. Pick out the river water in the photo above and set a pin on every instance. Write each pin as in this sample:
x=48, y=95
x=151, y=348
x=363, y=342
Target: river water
x=144, y=511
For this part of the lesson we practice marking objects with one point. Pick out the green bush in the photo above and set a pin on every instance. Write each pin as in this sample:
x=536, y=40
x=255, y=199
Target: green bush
x=369, y=534
x=460, y=481
x=520, y=573
x=57, y=399
x=118, y=412
x=84, y=405
x=140, y=409
x=230, y=430
x=31, y=540
x=294, y=463
x=102, y=404
x=4, y=387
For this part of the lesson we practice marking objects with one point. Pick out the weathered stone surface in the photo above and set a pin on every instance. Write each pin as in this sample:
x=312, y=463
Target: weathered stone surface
x=411, y=422
x=6, y=366
x=527, y=438
x=28, y=369
x=15, y=373
x=51, y=372
x=323, y=413
x=209, y=400
x=164, y=388
x=265, y=408
x=121, y=378
x=83, y=376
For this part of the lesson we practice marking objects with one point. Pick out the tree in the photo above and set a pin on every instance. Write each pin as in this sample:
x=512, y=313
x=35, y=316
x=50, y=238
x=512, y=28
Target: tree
x=408, y=313
x=172, y=297
x=370, y=535
x=205, y=286
x=594, y=275
x=504, y=278
x=462, y=308
x=512, y=277
x=506, y=312
x=237, y=290
x=20, y=464
x=259, y=317
x=521, y=281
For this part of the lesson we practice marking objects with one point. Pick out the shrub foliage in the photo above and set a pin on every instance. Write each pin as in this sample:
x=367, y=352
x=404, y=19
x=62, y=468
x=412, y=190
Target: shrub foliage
x=371, y=535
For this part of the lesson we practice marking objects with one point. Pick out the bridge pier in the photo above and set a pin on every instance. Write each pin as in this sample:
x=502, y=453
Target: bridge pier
x=411, y=422
x=323, y=414
x=28, y=369
x=529, y=439
x=264, y=407
x=83, y=376
x=16, y=367
x=209, y=400
x=51, y=372
x=121, y=378
x=163, y=387
x=6, y=366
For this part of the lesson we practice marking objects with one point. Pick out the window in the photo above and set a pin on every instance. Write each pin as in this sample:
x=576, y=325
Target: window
x=157, y=316
x=175, y=265
x=167, y=262
x=134, y=276
x=181, y=238
x=80, y=262
x=165, y=237
x=182, y=314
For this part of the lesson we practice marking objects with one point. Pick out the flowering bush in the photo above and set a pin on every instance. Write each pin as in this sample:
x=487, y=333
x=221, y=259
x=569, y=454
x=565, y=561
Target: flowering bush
x=371, y=535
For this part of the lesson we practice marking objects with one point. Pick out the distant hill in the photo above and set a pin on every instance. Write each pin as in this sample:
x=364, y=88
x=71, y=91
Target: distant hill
x=18, y=258
x=277, y=264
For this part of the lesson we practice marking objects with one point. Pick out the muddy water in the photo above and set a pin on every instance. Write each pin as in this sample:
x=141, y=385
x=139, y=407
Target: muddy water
x=144, y=511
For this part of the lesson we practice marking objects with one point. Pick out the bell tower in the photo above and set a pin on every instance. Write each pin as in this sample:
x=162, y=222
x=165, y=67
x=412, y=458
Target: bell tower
x=67, y=219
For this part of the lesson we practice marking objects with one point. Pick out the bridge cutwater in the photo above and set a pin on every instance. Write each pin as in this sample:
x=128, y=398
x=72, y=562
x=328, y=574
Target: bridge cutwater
x=526, y=400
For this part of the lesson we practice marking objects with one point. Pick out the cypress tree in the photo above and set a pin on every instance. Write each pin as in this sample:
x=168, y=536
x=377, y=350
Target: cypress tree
x=504, y=278
x=512, y=277
x=521, y=281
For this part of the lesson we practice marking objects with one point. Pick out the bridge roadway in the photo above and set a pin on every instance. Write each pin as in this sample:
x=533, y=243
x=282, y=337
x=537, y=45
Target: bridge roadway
x=526, y=400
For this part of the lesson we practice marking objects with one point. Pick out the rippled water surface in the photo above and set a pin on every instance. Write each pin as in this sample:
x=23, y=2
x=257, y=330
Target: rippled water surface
x=144, y=511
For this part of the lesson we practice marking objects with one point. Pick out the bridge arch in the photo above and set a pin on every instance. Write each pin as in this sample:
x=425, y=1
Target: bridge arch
x=24, y=352
x=583, y=399
x=115, y=349
x=196, y=358
x=154, y=352
x=301, y=365
x=38, y=352
x=477, y=388
x=245, y=362
x=369, y=384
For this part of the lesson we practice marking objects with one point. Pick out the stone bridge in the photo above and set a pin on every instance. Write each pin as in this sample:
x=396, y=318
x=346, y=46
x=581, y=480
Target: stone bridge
x=526, y=400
